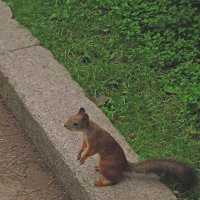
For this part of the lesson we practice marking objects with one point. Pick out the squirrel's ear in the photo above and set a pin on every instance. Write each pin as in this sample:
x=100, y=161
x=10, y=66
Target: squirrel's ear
x=85, y=118
x=81, y=111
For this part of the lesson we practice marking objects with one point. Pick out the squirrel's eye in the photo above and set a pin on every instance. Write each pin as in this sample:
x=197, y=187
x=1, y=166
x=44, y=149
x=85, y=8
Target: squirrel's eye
x=75, y=124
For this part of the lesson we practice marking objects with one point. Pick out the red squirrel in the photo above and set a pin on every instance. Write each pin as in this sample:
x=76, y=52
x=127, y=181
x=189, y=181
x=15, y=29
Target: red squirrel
x=113, y=161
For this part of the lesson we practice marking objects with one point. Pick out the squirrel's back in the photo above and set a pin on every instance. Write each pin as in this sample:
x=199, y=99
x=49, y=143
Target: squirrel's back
x=108, y=147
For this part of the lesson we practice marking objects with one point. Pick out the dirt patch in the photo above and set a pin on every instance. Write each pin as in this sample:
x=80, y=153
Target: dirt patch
x=23, y=174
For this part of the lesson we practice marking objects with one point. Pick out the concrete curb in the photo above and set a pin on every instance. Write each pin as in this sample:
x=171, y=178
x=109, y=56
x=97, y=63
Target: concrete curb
x=41, y=94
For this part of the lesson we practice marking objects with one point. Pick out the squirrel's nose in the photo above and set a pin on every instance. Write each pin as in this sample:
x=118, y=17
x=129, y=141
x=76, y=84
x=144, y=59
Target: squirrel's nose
x=65, y=125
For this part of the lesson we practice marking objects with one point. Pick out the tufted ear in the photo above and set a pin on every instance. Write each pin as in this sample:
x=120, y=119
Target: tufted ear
x=85, y=119
x=81, y=111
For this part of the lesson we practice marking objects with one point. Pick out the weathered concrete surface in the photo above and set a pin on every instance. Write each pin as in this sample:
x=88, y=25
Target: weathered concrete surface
x=12, y=35
x=42, y=95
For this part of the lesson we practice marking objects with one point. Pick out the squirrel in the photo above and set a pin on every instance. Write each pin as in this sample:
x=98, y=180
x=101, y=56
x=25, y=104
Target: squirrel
x=113, y=161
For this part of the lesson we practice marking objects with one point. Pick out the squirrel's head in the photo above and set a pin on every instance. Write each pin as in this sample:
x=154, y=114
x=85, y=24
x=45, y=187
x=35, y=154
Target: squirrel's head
x=78, y=122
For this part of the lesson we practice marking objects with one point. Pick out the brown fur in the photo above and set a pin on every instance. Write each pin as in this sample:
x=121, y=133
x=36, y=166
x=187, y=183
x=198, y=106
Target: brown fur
x=113, y=161
x=182, y=171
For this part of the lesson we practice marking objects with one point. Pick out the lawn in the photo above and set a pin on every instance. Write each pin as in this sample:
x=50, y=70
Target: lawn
x=144, y=56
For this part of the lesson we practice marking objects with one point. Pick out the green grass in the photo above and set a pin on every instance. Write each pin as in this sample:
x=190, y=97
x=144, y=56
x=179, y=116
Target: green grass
x=155, y=122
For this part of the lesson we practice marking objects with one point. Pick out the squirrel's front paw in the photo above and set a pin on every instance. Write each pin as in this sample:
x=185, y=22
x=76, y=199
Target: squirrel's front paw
x=81, y=160
x=78, y=156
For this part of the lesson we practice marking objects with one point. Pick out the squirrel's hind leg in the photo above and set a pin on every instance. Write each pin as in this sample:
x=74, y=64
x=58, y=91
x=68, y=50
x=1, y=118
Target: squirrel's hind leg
x=110, y=171
x=112, y=176
x=103, y=182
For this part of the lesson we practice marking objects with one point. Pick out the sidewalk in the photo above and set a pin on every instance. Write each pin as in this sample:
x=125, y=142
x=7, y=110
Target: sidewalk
x=41, y=94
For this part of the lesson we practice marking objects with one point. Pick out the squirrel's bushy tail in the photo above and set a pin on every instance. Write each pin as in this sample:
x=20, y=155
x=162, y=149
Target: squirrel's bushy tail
x=185, y=173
